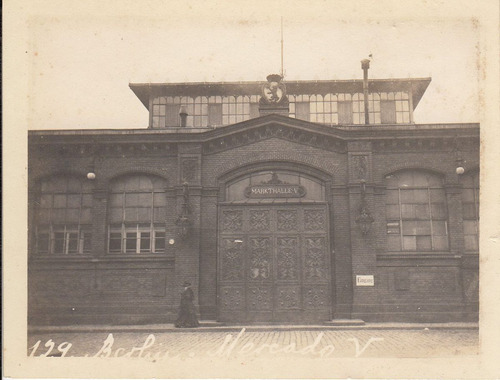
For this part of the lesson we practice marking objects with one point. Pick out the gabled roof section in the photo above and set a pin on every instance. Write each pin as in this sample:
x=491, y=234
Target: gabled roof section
x=144, y=91
x=278, y=126
x=275, y=119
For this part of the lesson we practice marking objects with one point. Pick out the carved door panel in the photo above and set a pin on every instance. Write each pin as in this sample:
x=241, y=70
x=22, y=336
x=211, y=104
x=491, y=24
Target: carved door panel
x=273, y=264
x=259, y=277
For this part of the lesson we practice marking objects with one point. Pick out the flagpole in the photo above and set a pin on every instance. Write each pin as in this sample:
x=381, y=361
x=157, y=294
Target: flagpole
x=282, y=73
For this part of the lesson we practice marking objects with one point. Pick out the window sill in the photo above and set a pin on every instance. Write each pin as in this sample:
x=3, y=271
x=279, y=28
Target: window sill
x=419, y=255
x=105, y=258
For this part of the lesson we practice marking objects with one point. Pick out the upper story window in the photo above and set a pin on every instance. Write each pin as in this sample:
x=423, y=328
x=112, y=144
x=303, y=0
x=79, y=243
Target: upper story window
x=470, y=205
x=64, y=216
x=302, y=110
x=215, y=114
x=330, y=109
x=416, y=212
x=345, y=108
x=172, y=117
x=388, y=111
x=204, y=111
x=394, y=108
x=345, y=113
x=137, y=215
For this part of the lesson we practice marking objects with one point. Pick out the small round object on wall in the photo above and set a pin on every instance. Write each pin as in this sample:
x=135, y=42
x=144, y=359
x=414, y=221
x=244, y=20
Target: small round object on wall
x=460, y=170
x=91, y=175
x=171, y=241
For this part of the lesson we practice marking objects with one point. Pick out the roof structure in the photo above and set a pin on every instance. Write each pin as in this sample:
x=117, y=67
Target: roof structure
x=416, y=86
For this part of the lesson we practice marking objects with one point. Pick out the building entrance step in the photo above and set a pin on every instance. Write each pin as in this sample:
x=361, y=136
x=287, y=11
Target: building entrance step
x=210, y=323
x=345, y=322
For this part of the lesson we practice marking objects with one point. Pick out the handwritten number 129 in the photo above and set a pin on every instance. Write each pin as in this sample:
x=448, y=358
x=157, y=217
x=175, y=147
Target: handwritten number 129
x=63, y=348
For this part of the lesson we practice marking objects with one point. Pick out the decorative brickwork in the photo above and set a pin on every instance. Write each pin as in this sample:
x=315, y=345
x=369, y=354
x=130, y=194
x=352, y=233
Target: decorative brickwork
x=255, y=255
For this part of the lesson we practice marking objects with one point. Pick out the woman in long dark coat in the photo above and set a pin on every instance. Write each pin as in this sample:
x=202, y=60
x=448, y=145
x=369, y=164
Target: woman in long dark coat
x=187, y=313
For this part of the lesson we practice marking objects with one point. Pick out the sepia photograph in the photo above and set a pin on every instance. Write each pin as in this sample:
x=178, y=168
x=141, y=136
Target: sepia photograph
x=228, y=190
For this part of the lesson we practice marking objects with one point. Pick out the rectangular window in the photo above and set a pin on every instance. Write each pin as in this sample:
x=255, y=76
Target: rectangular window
x=302, y=111
x=358, y=105
x=388, y=111
x=85, y=242
x=402, y=111
x=131, y=242
x=215, y=114
x=43, y=242
x=64, y=240
x=72, y=242
x=58, y=243
x=145, y=241
x=159, y=241
x=137, y=240
x=115, y=242
x=345, y=112
x=172, y=118
x=470, y=207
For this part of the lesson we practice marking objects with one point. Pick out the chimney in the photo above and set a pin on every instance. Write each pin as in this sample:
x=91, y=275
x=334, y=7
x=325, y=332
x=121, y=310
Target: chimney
x=183, y=114
x=365, y=65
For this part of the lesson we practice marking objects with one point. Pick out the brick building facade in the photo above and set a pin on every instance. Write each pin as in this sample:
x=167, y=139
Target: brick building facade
x=279, y=202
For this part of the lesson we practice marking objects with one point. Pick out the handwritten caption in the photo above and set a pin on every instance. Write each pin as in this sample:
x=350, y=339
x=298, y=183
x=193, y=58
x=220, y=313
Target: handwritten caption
x=230, y=346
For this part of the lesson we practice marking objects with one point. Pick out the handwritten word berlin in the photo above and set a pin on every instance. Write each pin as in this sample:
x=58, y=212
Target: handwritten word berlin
x=230, y=346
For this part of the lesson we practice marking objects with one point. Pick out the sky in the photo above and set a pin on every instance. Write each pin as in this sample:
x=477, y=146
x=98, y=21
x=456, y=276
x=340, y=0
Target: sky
x=81, y=63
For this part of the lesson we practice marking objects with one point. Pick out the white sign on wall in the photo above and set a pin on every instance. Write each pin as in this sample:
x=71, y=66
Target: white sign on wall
x=365, y=280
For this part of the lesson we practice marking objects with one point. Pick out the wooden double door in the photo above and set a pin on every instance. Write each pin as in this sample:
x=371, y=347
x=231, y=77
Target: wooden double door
x=274, y=263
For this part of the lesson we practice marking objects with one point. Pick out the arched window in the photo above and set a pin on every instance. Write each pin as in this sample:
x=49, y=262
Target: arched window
x=470, y=204
x=137, y=212
x=64, y=216
x=416, y=212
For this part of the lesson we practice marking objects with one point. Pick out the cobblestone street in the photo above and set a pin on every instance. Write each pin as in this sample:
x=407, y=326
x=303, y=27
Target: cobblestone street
x=232, y=343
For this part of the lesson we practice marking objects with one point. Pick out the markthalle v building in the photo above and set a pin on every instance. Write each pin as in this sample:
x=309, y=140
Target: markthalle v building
x=280, y=201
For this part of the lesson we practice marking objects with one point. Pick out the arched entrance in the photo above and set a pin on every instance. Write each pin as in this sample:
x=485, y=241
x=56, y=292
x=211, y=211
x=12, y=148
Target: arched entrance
x=273, y=249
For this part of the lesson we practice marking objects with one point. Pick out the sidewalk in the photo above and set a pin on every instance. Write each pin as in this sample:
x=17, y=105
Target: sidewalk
x=212, y=326
x=158, y=341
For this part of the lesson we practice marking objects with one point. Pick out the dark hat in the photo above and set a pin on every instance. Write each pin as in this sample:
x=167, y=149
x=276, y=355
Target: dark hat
x=186, y=283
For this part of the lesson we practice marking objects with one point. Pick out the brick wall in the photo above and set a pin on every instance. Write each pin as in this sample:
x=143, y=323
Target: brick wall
x=103, y=289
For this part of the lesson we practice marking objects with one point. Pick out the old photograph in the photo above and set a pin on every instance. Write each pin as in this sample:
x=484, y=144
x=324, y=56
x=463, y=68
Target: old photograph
x=278, y=183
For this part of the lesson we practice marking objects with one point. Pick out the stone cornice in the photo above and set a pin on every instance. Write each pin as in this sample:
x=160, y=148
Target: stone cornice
x=426, y=144
x=383, y=138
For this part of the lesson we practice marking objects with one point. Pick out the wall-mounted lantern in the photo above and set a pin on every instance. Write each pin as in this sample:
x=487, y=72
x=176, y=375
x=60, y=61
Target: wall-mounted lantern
x=183, y=222
x=96, y=161
x=364, y=219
